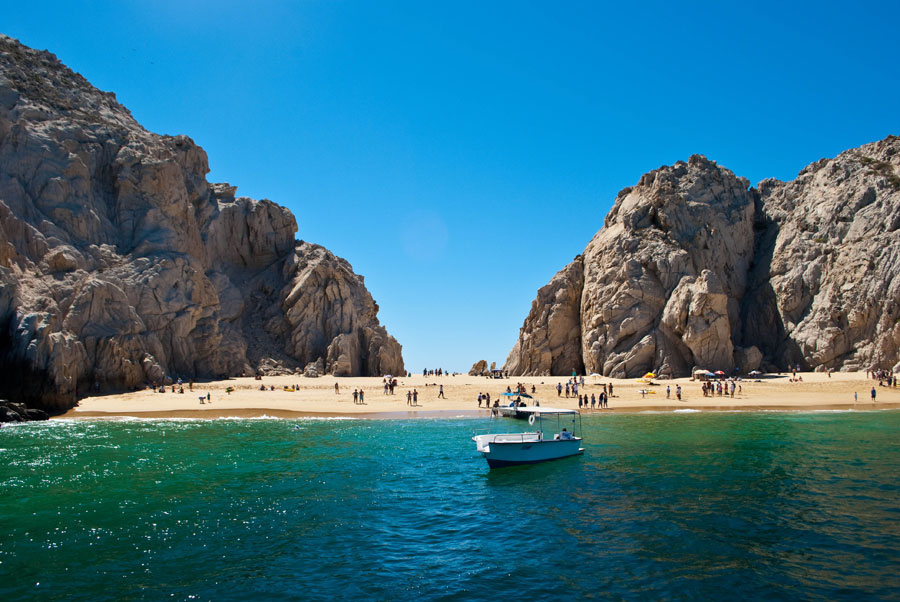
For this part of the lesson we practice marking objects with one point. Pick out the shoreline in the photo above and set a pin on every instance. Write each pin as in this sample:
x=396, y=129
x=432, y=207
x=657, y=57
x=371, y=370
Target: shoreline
x=294, y=397
x=277, y=414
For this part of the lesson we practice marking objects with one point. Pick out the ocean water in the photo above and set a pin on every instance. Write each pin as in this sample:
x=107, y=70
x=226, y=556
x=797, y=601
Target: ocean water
x=766, y=506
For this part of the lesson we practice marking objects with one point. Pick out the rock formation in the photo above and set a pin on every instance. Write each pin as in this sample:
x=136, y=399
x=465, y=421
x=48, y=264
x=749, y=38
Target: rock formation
x=479, y=368
x=121, y=265
x=694, y=268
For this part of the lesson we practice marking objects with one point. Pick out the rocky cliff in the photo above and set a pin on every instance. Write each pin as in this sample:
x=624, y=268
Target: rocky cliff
x=120, y=264
x=695, y=268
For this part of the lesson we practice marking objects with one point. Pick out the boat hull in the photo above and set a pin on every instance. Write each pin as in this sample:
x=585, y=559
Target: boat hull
x=494, y=463
x=528, y=450
x=510, y=412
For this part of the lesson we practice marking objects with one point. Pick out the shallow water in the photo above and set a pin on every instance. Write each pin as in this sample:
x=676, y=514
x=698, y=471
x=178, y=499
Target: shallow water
x=690, y=505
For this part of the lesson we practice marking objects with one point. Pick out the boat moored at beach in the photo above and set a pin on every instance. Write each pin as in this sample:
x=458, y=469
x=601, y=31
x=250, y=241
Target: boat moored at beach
x=517, y=408
x=511, y=449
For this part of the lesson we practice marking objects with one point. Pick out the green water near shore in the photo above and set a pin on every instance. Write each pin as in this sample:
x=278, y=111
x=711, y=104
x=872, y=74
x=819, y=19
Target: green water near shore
x=775, y=506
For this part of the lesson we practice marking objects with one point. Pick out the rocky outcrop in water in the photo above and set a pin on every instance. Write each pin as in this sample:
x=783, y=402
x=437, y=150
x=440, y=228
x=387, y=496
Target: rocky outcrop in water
x=694, y=268
x=121, y=265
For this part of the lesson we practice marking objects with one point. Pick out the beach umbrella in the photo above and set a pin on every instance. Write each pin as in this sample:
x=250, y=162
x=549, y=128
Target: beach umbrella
x=755, y=373
x=719, y=373
x=649, y=375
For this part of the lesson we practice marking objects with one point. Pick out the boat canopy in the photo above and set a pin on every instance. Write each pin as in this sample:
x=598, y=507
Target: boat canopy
x=543, y=410
x=526, y=395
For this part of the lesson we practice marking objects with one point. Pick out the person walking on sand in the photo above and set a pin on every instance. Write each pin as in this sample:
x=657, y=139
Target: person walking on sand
x=873, y=394
x=678, y=392
x=337, y=389
x=668, y=391
x=441, y=392
x=855, y=398
x=559, y=389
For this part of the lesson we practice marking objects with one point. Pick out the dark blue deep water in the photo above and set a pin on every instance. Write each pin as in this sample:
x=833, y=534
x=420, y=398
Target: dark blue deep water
x=766, y=506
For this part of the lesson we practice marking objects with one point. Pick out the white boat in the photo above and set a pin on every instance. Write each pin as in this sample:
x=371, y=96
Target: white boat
x=510, y=449
x=516, y=408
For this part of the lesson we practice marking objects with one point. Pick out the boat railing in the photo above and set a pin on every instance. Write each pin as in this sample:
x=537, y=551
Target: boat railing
x=517, y=438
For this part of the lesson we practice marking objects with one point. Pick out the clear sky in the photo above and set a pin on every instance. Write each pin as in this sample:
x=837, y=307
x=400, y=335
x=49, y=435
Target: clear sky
x=459, y=154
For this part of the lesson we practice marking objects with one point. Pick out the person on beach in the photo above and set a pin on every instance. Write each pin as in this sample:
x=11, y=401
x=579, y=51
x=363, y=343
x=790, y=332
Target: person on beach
x=873, y=394
x=355, y=396
x=678, y=392
x=208, y=398
x=559, y=389
x=361, y=402
x=593, y=400
x=567, y=390
x=855, y=397
x=415, y=397
x=409, y=398
x=668, y=391
x=610, y=389
x=441, y=392
x=337, y=389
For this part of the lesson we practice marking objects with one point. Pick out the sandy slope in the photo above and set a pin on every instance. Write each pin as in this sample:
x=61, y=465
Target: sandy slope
x=318, y=397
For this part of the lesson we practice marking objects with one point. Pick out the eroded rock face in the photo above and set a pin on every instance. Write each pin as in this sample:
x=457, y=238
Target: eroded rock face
x=479, y=368
x=826, y=289
x=694, y=267
x=550, y=343
x=121, y=265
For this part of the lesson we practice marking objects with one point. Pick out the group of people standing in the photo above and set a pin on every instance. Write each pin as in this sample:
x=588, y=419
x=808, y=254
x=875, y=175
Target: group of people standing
x=720, y=388
x=389, y=385
x=884, y=377
x=601, y=402
x=486, y=398
x=571, y=387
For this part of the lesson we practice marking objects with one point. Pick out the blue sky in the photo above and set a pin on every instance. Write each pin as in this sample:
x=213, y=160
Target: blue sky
x=458, y=154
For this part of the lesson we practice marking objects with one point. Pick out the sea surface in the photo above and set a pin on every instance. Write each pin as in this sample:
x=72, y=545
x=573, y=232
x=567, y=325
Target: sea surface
x=673, y=506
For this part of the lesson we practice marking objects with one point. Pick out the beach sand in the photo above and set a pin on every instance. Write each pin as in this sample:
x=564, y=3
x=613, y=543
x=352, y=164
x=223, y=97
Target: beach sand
x=317, y=397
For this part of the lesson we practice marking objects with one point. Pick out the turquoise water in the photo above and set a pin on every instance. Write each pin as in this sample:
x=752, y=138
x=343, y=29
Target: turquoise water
x=774, y=506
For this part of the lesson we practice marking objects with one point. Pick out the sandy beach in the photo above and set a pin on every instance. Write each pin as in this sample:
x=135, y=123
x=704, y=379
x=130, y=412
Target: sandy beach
x=317, y=397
